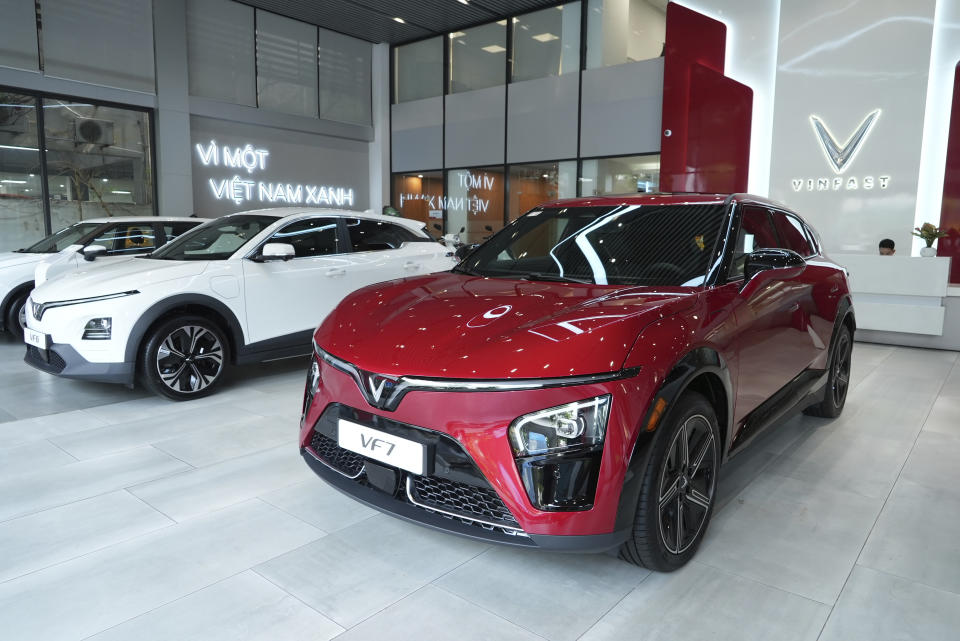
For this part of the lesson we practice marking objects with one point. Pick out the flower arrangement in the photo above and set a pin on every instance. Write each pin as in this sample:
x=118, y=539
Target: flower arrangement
x=929, y=233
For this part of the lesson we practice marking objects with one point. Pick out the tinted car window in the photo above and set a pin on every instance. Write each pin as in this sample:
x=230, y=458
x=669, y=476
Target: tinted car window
x=216, y=240
x=173, y=230
x=72, y=235
x=126, y=238
x=311, y=237
x=756, y=232
x=375, y=235
x=657, y=245
x=791, y=233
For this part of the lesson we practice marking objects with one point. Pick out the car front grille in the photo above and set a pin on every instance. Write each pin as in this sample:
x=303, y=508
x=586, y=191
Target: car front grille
x=343, y=461
x=54, y=365
x=461, y=499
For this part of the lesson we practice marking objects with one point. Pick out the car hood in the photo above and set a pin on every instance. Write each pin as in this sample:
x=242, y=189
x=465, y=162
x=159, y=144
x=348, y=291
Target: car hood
x=97, y=278
x=452, y=325
x=12, y=259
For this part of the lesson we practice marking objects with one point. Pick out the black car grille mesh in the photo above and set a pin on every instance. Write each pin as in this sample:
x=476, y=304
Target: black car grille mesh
x=54, y=365
x=344, y=461
x=462, y=499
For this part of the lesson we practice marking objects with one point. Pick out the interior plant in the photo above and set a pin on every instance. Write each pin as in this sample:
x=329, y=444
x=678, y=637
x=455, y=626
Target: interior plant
x=929, y=233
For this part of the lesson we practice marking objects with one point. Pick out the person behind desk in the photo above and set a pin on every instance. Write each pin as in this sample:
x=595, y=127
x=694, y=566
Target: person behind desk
x=887, y=247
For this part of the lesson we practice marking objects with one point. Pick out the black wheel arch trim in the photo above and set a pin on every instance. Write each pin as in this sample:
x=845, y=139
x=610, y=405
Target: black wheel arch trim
x=161, y=308
x=699, y=361
x=13, y=293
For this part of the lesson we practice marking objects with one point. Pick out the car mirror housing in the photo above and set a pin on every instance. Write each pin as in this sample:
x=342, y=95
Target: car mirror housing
x=277, y=251
x=90, y=252
x=465, y=250
x=785, y=262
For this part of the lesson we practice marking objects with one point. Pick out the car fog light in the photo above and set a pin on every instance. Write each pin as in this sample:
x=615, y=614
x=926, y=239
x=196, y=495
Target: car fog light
x=98, y=329
x=572, y=426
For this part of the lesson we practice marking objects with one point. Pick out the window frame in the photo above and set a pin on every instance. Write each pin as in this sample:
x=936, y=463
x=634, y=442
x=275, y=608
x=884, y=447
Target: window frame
x=338, y=235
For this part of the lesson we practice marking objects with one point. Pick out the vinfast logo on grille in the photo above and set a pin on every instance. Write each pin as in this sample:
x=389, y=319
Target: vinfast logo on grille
x=840, y=157
x=377, y=388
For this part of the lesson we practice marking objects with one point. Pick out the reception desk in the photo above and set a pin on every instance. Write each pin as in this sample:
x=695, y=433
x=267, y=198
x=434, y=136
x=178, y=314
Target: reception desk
x=904, y=300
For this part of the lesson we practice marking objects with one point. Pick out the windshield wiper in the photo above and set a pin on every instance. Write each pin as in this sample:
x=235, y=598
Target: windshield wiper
x=554, y=278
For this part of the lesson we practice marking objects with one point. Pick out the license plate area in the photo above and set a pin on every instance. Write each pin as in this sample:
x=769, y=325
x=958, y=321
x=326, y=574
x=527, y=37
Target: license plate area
x=38, y=340
x=381, y=446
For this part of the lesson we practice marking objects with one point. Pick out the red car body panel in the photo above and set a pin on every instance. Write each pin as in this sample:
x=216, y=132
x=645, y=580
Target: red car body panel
x=457, y=326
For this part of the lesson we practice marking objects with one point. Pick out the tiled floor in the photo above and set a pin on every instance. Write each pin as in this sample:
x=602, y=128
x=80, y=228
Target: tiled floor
x=124, y=516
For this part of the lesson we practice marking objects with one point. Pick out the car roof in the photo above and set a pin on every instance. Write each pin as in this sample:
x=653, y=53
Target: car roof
x=659, y=199
x=290, y=212
x=144, y=219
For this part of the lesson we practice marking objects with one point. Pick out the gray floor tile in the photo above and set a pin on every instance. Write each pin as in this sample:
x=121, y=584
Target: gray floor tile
x=62, y=533
x=944, y=417
x=43, y=489
x=230, y=439
x=598, y=581
x=90, y=594
x=878, y=607
x=362, y=569
x=431, y=613
x=794, y=535
x=45, y=427
x=697, y=603
x=31, y=457
x=245, y=606
x=319, y=505
x=210, y=488
x=934, y=462
x=916, y=536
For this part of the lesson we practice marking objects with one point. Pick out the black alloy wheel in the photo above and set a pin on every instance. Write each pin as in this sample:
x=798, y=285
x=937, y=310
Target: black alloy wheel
x=838, y=379
x=15, y=318
x=679, y=487
x=184, y=358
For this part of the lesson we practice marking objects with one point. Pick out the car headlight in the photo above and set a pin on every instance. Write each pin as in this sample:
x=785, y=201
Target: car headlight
x=98, y=329
x=311, y=388
x=582, y=424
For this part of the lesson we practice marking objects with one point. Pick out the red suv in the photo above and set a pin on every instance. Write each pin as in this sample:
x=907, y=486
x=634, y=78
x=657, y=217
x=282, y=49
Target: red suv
x=576, y=382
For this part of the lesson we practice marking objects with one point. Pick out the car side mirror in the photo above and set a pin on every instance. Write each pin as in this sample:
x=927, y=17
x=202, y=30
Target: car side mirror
x=277, y=251
x=785, y=262
x=90, y=252
x=465, y=250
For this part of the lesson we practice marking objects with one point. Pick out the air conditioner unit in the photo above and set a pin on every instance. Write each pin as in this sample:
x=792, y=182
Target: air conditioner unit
x=93, y=132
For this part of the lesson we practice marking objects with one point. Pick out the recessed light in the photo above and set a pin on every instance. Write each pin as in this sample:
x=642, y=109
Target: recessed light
x=421, y=175
x=400, y=20
x=545, y=37
x=105, y=179
x=120, y=192
x=502, y=23
x=464, y=1
x=493, y=48
x=457, y=34
x=546, y=175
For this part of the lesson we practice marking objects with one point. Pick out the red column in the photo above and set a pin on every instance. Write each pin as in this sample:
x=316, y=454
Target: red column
x=950, y=210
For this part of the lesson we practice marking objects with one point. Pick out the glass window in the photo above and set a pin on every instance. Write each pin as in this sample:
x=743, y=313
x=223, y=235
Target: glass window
x=756, y=232
x=21, y=195
x=221, y=52
x=475, y=202
x=345, y=78
x=667, y=245
x=623, y=175
x=418, y=70
x=311, y=237
x=18, y=35
x=72, y=235
x=534, y=184
x=286, y=65
x=172, y=230
x=546, y=43
x=126, y=238
x=217, y=240
x=375, y=235
x=420, y=196
x=478, y=57
x=620, y=31
x=98, y=161
x=791, y=234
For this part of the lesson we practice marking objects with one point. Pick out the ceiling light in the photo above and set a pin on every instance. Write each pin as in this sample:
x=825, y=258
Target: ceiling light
x=421, y=175
x=502, y=23
x=105, y=179
x=14, y=182
x=457, y=34
x=464, y=1
x=115, y=191
x=546, y=175
x=516, y=20
x=493, y=48
x=545, y=37
x=400, y=20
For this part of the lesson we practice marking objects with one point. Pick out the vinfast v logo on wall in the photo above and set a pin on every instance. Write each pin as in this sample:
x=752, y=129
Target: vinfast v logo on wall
x=840, y=157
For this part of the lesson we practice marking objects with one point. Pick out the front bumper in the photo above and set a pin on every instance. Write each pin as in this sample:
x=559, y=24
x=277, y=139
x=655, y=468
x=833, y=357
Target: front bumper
x=63, y=360
x=465, y=434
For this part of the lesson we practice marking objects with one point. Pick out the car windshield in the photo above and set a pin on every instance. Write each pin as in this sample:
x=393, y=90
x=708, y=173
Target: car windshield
x=659, y=245
x=62, y=239
x=217, y=240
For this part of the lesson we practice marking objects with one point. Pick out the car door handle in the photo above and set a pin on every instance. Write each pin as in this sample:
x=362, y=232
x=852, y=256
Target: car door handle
x=336, y=271
x=411, y=265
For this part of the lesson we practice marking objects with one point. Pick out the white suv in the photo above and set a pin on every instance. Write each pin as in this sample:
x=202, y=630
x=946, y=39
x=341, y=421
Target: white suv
x=64, y=251
x=242, y=288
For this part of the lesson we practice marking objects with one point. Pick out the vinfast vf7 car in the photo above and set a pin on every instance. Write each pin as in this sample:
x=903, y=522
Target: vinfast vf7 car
x=576, y=382
x=242, y=288
x=62, y=251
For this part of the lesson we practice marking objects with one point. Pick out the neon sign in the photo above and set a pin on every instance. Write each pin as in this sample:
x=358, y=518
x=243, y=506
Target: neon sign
x=241, y=189
x=839, y=157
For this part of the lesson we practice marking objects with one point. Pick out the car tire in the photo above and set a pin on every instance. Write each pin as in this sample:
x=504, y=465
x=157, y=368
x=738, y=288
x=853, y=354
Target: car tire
x=13, y=318
x=184, y=358
x=679, y=487
x=838, y=379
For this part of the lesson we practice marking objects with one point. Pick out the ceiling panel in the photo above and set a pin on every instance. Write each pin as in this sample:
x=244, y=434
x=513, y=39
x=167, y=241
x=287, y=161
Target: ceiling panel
x=373, y=20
